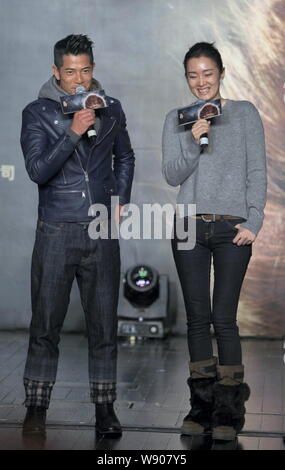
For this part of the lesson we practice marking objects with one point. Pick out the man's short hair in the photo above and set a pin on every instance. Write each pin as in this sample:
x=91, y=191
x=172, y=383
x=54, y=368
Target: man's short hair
x=74, y=44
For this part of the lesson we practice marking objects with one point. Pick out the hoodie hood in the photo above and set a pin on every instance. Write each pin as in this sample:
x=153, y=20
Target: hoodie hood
x=50, y=90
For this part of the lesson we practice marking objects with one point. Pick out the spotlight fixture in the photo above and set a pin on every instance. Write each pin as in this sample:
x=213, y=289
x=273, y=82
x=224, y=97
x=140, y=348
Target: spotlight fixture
x=144, y=307
x=141, y=286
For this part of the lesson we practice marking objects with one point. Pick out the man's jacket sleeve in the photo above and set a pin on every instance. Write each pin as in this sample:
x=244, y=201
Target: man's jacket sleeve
x=43, y=160
x=124, y=161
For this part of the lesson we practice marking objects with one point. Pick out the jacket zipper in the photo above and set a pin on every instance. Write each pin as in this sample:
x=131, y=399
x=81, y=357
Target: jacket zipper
x=71, y=191
x=85, y=171
x=64, y=179
x=86, y=176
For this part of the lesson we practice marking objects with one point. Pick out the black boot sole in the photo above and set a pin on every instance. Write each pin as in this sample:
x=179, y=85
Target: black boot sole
x=197, y=442
x=219, y=444
x=33, y=433
x=108, y=433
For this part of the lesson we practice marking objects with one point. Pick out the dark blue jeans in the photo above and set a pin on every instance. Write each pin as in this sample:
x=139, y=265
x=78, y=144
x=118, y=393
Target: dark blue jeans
x=213, y=241
x=63, y=251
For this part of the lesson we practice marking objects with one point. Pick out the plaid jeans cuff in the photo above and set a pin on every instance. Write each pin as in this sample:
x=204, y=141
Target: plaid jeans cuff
x=37, y=393
x=102, y=392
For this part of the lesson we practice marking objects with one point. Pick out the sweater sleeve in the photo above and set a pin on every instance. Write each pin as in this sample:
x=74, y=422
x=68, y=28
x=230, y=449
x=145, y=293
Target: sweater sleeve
x=180, y=153
x=256, y=180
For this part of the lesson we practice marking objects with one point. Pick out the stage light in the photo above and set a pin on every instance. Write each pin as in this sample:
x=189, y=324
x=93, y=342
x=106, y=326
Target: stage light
x=141, y=286
x=144, y=304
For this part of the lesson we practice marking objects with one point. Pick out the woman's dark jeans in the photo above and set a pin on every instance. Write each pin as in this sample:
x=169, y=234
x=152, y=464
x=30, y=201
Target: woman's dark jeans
x=62, y=252
x=213, y=239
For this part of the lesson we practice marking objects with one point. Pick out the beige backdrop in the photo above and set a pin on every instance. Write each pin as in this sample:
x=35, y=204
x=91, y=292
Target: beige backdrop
x=254, y=57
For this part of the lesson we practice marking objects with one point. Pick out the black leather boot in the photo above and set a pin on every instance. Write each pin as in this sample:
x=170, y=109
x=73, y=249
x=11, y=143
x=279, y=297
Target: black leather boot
x=35, y=421
x=106, y=420
x=201, y=383
x=230, y=394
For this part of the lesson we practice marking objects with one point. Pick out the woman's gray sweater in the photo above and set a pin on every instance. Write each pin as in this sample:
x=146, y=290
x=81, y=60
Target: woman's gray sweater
x=229, y=178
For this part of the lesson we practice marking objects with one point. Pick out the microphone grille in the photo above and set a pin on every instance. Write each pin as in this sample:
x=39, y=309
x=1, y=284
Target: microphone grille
x=80, y=89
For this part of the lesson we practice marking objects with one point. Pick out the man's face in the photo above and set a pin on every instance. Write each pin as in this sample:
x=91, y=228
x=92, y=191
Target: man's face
x=76, y=71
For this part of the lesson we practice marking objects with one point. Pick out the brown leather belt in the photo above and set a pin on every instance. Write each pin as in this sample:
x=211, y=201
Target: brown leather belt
x=214, y=217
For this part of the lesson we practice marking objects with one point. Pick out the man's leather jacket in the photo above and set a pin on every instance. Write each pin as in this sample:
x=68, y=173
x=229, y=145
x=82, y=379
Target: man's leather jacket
x=72, y=174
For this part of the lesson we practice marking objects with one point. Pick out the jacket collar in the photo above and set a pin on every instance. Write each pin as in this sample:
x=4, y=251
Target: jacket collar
x=106, y=122
x=106, y=125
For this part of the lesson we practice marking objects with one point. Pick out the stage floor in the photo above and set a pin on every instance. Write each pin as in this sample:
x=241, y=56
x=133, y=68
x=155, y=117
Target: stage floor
x=152, y=399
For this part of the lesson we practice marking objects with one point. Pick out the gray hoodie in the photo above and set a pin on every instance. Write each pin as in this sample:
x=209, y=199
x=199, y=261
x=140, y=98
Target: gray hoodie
x=50, y=90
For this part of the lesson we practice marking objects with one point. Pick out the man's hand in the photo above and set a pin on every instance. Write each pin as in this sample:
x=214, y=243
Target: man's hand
x=199, y=128
x=244, y=236
x=82, y=120
x=118, y=213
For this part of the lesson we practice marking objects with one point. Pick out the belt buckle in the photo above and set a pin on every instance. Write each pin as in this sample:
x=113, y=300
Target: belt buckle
x=213, y=218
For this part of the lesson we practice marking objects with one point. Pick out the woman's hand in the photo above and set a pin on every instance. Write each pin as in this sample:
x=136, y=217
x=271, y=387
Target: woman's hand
x=244, y=236
x=199, y=128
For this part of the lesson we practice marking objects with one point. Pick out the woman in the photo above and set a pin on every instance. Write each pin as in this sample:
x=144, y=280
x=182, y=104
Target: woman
x=227, y=182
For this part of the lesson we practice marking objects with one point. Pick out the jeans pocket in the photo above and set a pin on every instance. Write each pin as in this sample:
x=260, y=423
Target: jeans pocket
x=49, y=228
x=233, y=222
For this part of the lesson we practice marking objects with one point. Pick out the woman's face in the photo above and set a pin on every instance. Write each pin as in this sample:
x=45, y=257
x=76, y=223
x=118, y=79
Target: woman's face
x=203, y=77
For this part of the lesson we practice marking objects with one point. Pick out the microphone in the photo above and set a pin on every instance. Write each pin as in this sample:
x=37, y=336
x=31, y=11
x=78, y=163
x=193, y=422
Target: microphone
x=204, y=141
x=92, y=134
x=91, y=131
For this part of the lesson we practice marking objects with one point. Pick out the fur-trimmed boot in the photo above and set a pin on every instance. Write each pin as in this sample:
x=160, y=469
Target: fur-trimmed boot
x=230, y=393
x=203, y=375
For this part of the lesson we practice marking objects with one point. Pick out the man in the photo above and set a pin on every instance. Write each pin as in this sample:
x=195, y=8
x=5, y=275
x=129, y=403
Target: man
x=72, y=174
